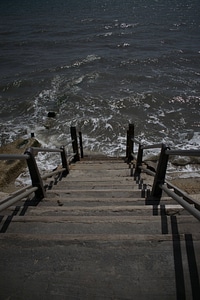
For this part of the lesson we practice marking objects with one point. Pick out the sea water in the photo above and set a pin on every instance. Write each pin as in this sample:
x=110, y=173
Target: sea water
x=100, y=65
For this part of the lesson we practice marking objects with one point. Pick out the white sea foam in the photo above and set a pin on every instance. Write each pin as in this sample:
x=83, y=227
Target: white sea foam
x=90, y=58
x=123, y=45
x=101, y=73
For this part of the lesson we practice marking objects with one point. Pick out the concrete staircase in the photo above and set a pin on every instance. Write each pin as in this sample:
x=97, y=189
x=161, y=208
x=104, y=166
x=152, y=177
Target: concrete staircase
x=95, y=237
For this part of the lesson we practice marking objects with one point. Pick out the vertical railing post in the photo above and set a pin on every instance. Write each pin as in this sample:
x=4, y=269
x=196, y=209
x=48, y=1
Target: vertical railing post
x=160, y=173
x=138, y=161
x=81, y=143
x=64, y=161
x=129, y=142
x=35, y=175
x=74, y=143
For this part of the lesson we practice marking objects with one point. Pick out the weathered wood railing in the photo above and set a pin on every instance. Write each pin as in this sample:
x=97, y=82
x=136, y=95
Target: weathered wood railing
x=160, y=183
x=37, y=185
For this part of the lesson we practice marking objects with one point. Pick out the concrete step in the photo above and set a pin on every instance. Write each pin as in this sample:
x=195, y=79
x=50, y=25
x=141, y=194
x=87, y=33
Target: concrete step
x=99, y=224
x=97, y=186
x=99, y=166
x=136, y=206
x=96, y=201
x=98, y=180
x=102, y=181
x=95, y=167
x=100, y=193
x=105, y=160
x=120, y=209
x=105, y=238
x=23, y=206
x=110, y=184
x=78, y=173
x=110, y=267
x=88, y=178
x=94, y=237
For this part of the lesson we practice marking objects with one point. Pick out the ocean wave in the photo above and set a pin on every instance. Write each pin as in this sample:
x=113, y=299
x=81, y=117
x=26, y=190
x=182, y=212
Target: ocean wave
x=90, y=58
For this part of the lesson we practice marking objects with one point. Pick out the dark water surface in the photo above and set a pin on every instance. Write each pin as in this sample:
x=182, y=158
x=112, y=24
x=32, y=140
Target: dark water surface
x=100, y=65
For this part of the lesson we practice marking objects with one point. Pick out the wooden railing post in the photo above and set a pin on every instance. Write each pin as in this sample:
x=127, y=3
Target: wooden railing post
x=160, y=174
x=35, y=175
x=74, y=143
x=64, y=161
x=129, y=142
x=139, y=161
x=81, y=143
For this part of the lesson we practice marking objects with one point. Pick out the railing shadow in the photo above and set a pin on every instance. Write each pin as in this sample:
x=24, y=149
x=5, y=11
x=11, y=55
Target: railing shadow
x=37, y=186
x=178, y=244
x=178, y=263
x=192, y=263
x=160, y=184
x=8, y=220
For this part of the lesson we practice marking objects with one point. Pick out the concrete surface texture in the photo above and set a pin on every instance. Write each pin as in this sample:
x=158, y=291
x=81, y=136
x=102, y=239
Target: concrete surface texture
x=95, y=236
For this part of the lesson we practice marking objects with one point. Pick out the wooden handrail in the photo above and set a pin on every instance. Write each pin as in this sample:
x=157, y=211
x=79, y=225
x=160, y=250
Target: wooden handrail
x=36, y=178
x=160, y=183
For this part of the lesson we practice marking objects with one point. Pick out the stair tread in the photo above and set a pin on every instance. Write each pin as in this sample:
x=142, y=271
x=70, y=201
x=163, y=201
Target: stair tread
x=107, y=208
x=106, y=237
x=97, y=189
x=92, y=201
x=53, y=200
x=96, y=219
x=100, y=225
x=97, y=267
x=93, y=233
